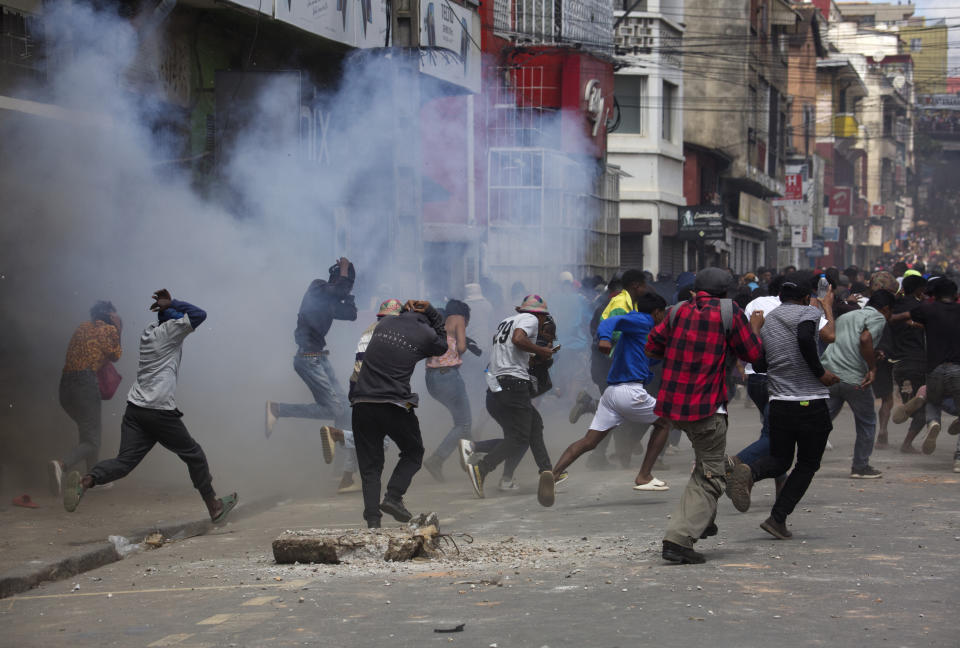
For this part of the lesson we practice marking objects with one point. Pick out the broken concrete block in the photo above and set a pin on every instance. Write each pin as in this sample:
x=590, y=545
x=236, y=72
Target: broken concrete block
x=332, y=546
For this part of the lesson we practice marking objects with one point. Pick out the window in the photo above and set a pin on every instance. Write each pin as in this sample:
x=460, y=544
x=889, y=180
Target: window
x=668, y=111
x=630, y=91
x=916, y=44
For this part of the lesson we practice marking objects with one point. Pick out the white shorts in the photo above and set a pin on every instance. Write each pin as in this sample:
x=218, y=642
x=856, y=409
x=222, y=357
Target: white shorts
x=626, y=401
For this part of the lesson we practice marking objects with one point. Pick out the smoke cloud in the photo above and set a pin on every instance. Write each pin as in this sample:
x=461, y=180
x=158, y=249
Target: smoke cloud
x=93, y=209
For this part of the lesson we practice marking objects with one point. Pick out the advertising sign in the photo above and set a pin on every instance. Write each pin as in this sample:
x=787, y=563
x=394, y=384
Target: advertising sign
x=841, y=201
x=816, y=249
x=879, y=210
x=831, y=234
x=360, y=23
x=875, y=235
x=801, y=236
x=449, y=37
x=702, y=222
x=793, y=184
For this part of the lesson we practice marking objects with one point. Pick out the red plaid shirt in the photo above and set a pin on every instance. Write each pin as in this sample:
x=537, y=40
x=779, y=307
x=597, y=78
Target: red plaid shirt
x=694, y=356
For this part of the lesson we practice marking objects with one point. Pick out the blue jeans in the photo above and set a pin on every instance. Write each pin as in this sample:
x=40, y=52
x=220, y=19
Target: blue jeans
x=446, y=386
x=864, y=416
x=330, y=401
x=759, y=394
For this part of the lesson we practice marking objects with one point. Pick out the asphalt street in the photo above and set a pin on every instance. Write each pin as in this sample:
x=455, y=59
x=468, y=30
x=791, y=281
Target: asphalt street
x=871, y=563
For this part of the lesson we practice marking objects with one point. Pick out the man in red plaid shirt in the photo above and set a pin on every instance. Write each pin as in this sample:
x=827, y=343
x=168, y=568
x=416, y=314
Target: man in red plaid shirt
x=694, y=343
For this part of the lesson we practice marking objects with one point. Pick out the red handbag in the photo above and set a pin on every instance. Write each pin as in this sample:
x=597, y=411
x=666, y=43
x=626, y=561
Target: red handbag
x=108, y=379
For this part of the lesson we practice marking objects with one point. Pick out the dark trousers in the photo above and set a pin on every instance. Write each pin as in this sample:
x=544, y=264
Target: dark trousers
x=371, y=422
x=805, y=428
x=512, y=408
x=143, y=428
x=80, y=399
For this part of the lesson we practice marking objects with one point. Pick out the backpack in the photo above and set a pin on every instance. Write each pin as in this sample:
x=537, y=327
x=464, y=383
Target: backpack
x=726, y=314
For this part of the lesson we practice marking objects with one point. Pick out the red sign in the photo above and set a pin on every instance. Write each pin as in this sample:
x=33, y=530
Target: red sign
x=879, y=210
x=793, y=182
x=840, y=200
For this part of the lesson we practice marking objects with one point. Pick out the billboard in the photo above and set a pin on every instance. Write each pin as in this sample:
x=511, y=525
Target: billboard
x=801, y=236
x=841, y=201
x=700, y=223
x=449, y=43
x=359, y=23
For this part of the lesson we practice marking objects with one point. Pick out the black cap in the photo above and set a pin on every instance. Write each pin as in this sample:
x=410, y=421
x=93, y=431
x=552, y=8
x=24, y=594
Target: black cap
x=715, y=281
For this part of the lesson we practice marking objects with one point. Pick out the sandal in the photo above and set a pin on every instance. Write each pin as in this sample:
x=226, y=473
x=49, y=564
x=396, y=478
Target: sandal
x=228, y=502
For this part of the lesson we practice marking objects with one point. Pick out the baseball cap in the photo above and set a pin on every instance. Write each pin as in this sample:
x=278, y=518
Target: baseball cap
x=390, y=307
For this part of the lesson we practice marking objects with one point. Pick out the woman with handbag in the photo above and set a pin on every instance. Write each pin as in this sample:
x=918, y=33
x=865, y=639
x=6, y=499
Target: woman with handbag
x=88, y=377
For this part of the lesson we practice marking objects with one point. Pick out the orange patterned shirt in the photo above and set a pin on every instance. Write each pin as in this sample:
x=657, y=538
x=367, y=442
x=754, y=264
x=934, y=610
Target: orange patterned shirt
x=93, y=344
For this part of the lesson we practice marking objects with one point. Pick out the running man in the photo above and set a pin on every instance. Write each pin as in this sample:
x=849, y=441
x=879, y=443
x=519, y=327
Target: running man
x=625, y=397
x=324, y=302
x=152, y=416
x=509, y=397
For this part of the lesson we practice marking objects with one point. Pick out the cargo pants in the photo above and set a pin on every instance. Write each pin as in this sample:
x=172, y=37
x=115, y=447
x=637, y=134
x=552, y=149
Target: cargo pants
x=698, y=504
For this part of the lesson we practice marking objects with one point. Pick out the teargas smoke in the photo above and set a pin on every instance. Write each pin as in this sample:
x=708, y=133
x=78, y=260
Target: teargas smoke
x=98, y=205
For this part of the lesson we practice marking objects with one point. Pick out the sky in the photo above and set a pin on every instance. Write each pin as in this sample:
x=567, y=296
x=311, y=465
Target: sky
x=949, y=9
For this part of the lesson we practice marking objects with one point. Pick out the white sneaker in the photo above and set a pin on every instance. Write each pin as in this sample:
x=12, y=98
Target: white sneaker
x=465, y=452
x=56, y=477
x=509, y=485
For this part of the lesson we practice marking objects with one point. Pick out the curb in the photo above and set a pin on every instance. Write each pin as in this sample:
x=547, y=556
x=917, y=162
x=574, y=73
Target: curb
x=20, y=579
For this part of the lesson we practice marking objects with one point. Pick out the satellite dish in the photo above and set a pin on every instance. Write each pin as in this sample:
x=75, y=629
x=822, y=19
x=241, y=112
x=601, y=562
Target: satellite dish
x=899, y=81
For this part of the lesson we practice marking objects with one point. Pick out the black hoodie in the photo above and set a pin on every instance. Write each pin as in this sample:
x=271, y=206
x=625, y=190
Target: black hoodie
x=397, y=345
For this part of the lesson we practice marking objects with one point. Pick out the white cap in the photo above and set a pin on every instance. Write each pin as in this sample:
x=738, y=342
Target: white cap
x=566, y=276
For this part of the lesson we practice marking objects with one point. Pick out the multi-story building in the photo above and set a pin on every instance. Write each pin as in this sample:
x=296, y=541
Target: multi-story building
x=926, y=43
x=735, y=128
x=647, y=138
x=884, y=126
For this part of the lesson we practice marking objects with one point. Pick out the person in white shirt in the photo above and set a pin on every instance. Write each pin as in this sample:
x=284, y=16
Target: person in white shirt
x=509, y=396
x=152, y=415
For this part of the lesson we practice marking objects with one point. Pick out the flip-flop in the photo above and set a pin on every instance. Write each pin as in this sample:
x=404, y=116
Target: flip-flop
x=72, y=491
x=327, y=444
x=651, y=485
x=229, y=502
x=24, y=501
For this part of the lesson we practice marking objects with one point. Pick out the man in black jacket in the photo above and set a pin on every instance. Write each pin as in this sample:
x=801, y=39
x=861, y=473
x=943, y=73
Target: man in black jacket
x=383, y=405
x=323, y=302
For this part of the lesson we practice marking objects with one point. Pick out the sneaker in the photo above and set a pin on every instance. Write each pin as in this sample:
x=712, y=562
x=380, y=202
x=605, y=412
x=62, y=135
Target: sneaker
x=347, y=485
x=476, y=479
x=395, y=507
x=434, y=466
x=778, y=530
x=271, y=418
x=867, y=472
x=954, y=428
x=545, y=489
x=741, y=483
x=671, y=451
x=930, y=443
x=673, y=552
x=507, y=485
x=902, y=412
x=559, y=479
x=373, y=524
x=710, y=531
x=327, y=443
x=72, y=491
x=583, y=404
x=56, y=477
x=731, y=462
x=465, y=447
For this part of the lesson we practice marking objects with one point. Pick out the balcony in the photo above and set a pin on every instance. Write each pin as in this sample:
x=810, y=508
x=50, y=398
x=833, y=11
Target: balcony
x=845, y=125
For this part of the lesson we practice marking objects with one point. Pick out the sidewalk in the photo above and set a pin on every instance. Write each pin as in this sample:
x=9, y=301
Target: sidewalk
x=47, y=543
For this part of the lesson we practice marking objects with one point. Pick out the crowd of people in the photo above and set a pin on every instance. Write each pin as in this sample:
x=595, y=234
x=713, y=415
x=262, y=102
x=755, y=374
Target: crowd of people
x=664, y=357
